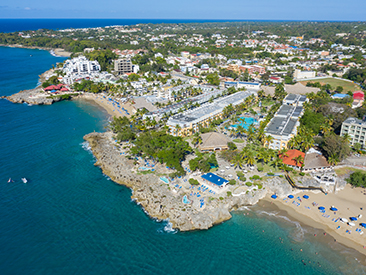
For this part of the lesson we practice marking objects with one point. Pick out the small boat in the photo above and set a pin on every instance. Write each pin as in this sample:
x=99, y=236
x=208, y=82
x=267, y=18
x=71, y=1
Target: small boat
x=10, y=180
x=24, y=180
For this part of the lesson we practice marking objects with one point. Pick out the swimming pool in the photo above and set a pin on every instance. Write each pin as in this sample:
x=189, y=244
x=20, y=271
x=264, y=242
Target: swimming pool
x=164, y=179
x=186, y=200
x=245, y=122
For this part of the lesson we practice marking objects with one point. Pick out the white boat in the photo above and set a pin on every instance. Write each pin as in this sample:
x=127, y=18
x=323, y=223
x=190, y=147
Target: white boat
x=24, y=180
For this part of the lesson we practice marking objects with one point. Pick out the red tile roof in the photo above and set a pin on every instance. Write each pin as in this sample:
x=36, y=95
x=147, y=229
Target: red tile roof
x=291, y=154
x=358, y=95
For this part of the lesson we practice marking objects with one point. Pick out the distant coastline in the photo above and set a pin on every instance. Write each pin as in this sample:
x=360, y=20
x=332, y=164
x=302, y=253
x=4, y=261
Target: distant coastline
x=58, y=52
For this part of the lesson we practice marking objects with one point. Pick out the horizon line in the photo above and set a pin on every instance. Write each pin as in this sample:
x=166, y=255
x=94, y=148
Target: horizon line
x=239, y=20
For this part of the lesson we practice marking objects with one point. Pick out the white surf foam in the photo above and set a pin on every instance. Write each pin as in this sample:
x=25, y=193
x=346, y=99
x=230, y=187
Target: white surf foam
x=168, y=227
x=298, y=234
x=85, y=145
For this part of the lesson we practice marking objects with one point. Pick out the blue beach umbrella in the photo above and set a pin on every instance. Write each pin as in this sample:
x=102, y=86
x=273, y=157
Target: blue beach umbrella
x=305, y=196
x=363, y=224
x=353, y=218
x=333, y=209
x=321, y=208
x=290, y=196
x=274, y=196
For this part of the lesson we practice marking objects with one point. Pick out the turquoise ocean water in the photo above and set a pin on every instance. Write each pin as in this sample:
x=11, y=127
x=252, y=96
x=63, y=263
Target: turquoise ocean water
x=71, y=219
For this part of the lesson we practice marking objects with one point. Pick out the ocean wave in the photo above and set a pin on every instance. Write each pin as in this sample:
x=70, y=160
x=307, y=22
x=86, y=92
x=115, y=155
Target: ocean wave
x=299, y=232
x=244, y=208
x=85, y=145
x=167, y=228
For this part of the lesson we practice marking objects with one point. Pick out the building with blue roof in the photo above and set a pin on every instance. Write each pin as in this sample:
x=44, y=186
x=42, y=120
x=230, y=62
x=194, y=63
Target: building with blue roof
x=254, y=86
x=339, y=96
x=215, y=180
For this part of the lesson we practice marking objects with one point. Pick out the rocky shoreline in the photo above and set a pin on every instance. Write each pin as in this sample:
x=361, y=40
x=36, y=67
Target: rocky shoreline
x=35, y=96
x=161, y=202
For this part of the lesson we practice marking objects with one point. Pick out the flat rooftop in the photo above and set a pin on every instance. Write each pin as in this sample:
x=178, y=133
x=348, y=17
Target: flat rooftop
x=281, y=126
x=207, y=110
x=215, y=179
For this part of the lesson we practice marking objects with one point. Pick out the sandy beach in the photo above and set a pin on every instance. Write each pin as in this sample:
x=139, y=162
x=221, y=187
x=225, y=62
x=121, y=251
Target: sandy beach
x=111, y=107
x=62, y=52
x=350, y=202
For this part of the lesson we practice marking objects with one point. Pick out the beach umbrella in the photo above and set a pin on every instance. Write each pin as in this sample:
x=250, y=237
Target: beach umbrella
x=290, y=196
x=353, y=218
x=344, y=220
x=305, y=196
x=363, y=224
x=321, y=208
x=333, y=209
x=351, y=224
x=274, y=196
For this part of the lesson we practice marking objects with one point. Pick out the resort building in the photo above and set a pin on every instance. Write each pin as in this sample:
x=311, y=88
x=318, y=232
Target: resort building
x=295, y=100
x=290, y=158
x=214, y=181
x=241, y=84
x=214, y=141
x=356, y=130
x=283, y=126
x=79, y=68
x=80, y=65
x=209, y=92
x=315, y=162
x=189, y=122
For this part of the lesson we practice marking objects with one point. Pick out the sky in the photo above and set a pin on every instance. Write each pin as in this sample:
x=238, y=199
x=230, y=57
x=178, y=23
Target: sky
x=339, y=10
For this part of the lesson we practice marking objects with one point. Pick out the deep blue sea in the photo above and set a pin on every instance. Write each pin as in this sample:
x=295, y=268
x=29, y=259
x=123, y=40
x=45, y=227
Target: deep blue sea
x=12, y=25
x=71, y=219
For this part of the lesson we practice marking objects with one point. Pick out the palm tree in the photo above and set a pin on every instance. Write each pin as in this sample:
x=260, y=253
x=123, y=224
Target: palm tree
x=298, y=160
x=250, y=133
x=333, y=159
x=277, y=162
x=197, y=139
x=248, y=156
x=346, y=138
x=240, y=130
x=307, y=143
x=267, y=139
x=326, y=129
x=237, y=161
x=261, y=135
x=292, y=143
x=283, y=153
x=177, y=129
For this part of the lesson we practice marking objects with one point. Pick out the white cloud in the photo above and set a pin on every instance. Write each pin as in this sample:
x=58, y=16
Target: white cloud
x=27, y=8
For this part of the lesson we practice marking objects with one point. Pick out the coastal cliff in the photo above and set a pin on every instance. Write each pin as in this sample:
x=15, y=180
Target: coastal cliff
x=34, y=96
x=161, y=202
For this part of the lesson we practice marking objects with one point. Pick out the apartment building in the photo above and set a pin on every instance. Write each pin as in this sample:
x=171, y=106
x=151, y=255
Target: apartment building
x=356, y=130
x=283, y=126
x=123, y=66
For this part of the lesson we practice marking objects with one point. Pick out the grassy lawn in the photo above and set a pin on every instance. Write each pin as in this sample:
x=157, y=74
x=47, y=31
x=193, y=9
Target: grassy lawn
x=343, y=171
x=347, y=86
x=238, y=140
x=267, y=168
